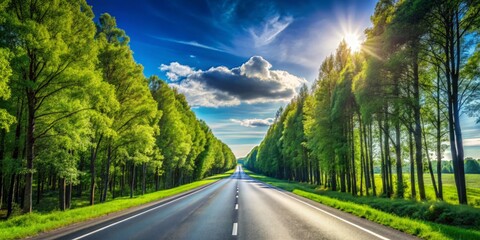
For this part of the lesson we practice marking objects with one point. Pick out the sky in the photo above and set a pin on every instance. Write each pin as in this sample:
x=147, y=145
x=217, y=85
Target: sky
x=238, y=62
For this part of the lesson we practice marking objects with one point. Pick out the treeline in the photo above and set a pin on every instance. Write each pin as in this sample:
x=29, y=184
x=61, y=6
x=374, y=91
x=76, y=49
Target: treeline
x=78, y=116
x=472, y=166
x=391, y=105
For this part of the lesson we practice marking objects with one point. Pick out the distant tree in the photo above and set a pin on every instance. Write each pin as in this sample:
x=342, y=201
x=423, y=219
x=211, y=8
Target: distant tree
x=472, y=166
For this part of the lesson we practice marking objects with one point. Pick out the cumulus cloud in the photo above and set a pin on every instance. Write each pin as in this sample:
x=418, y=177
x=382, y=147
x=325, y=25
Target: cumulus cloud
x=255, y=122
x=175, y=70
x=252, y=82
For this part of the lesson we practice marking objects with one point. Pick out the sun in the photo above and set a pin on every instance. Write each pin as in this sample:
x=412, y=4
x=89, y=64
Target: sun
x=353, y=41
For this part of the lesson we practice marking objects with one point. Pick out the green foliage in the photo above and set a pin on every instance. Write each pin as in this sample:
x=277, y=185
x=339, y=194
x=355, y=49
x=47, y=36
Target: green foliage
x=472, y=166
x=189, y=148
x=391, y=106
x=85, y=115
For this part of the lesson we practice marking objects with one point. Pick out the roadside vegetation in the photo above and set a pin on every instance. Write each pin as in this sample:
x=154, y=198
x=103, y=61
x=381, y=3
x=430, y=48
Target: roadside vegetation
x=385, y=122
x=30, y=224
x=449, y=190
x=80, y=124
x=427, y=220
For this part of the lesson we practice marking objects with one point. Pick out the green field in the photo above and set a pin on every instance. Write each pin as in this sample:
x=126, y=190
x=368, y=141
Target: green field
x=409, y=215
x=36, y=222
x=449, y=189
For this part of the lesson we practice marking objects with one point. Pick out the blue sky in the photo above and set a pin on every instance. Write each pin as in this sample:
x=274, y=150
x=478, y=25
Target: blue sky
x=237, y=61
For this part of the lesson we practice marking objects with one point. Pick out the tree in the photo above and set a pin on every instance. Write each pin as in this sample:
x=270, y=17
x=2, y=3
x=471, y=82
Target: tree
x=450, y=24
x=54, y=46
x=137, y=107
x=5, y=72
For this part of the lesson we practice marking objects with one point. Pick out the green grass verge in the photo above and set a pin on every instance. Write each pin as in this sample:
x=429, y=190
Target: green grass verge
x=34, y=223
x=422, y=229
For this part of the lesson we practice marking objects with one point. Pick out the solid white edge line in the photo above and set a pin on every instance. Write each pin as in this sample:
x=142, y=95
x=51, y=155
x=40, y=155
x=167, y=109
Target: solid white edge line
x=236, y=206
x=235, y=228
x=141, y=213
x=332, y=215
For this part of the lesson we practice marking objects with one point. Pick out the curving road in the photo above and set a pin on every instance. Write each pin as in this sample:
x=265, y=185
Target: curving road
x=238, y=207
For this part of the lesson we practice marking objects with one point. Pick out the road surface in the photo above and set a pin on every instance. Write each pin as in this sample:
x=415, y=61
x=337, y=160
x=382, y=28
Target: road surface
x=237, y=207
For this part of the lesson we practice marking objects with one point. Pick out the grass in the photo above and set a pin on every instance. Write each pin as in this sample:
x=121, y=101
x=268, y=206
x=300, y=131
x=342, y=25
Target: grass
x=449, y=188
x=360, y=206
x=31, y=224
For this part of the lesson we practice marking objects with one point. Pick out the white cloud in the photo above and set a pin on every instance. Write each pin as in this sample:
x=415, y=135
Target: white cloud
x=175, y=70
x=255, y=122
x=253, y=82
x=270, y=30
x=471, y=142
x=190, y=43
x=199, y=95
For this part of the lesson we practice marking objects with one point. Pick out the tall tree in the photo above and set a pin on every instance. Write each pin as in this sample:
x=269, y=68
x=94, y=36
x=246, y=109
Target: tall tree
x=137, y=107
x=450, y=23
x=53, y=40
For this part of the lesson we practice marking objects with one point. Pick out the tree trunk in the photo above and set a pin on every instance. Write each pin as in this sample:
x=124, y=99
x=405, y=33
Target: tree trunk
x=370, y=142
x=11, y=194
x=30, y=151
x=2, y=156
x=39, y=185
x=400, y=187
x=354, y=171
x=333, y=179
x=417, y=135
x=156, y=179
x=122, y=180
x=68, y=196
x=80, y=169
x=53, y=182
x=144, y=175
x=61, y=192
x=388, y=159
x=398, y=153
x=430, y=168
x=107, y=172
x=461, y=185
x=92, y=176
x=15, y=154
x=412, y=168
x=364, y=154
x=439, y=140
x=132, y=180
x=385, y=187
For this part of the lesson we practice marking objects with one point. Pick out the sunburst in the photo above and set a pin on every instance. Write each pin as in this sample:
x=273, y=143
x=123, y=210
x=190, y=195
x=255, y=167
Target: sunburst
x=353, y=41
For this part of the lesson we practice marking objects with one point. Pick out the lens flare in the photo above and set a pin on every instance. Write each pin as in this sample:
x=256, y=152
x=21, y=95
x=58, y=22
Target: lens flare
x=353, y=41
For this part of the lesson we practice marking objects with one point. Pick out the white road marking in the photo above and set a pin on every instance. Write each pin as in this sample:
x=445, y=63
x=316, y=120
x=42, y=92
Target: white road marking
x=235, y=228
x=332, y=215
x=236, y=196
x=236, y=206
x=138, y=214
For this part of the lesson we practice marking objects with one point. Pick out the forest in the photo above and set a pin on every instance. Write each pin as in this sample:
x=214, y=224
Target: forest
x=78, y=117
x=393, y=109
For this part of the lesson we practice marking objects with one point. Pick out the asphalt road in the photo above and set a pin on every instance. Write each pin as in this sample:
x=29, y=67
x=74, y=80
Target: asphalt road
x=238, y=207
